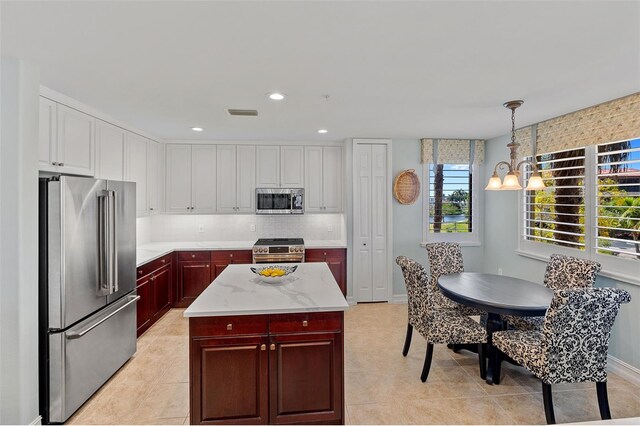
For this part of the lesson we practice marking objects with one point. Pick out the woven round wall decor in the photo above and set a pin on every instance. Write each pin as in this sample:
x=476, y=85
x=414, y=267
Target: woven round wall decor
x=406, y=187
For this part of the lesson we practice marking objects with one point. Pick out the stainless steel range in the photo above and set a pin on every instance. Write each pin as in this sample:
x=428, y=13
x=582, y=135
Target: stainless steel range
x=278, y=250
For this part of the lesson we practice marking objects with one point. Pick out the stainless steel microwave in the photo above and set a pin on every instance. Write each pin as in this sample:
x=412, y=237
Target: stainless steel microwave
x=279, y=201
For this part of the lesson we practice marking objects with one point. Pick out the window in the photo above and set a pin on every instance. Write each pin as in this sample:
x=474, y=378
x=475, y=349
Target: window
x=590, y=208
x=450, y=203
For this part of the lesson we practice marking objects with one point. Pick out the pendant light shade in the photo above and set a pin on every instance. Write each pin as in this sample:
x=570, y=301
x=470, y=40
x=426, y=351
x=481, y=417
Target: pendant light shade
x=535, y=182
x=511, y=182
x=494, y=183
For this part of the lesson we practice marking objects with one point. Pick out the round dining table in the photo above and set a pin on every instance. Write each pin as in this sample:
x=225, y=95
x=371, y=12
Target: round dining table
x=497, y=295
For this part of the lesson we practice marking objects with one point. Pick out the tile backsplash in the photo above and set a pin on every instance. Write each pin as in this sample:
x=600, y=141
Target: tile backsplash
x=239, y=227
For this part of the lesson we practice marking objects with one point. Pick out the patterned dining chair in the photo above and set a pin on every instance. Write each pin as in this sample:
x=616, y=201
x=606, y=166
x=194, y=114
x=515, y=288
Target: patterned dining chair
x=436, y=324
x=563, y=272
x=444, y=259
x=572, y=345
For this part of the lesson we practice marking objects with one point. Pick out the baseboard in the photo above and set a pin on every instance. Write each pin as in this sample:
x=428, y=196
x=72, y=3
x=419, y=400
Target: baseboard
x=37, y=421
x=399, y=298
x=624, y=370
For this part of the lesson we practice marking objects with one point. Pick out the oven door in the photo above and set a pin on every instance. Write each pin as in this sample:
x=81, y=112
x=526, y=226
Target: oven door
x=278, y=258
x=273, y=201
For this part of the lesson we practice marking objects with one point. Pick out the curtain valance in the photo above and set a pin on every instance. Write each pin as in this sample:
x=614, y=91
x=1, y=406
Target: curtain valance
x=607, y=122
x=452, y=151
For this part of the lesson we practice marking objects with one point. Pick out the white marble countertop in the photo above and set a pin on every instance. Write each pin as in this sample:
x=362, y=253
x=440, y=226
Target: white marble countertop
x=238, y=291
x=151, y=251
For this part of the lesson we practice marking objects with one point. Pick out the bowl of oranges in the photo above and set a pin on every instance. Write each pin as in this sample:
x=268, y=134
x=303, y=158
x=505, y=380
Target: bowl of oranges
x=273, y=274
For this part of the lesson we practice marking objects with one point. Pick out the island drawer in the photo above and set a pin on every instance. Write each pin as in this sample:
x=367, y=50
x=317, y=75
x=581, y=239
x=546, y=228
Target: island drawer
x=197, y=256
x=228, y=326
x=299, y=323
x=153, y=265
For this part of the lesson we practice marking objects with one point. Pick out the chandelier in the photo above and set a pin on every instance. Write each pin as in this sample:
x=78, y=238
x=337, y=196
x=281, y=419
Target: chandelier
x=511, y=180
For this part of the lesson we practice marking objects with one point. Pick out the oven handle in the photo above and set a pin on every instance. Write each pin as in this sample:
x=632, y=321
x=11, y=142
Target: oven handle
x=272, y=259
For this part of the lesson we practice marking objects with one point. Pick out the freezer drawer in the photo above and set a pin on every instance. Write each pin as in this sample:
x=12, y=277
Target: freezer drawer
x=83, y=358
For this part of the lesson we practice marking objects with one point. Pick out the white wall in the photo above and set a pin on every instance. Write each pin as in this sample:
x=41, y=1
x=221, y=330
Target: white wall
x=408, y=219
x=501, y=241
x=238, y=227
x=20, y=89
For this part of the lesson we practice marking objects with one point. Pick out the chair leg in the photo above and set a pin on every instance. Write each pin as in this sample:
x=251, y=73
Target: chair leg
x=548, y=404
x=482, y=361
x=407, y=340
x=603, y=400
x=427, y=362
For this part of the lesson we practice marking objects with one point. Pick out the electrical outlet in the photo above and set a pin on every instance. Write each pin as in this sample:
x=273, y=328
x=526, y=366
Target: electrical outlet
x=252, y=227
x=499, y=271
x=330, y=228
x=201, y=228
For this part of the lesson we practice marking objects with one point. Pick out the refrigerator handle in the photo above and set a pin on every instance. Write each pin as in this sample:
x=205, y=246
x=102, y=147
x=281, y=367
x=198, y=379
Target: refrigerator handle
x=113, y=240
x=79, y=334
x=104, y=286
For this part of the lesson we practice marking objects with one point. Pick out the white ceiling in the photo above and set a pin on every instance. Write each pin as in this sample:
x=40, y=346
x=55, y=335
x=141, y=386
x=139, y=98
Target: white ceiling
x=393, y=69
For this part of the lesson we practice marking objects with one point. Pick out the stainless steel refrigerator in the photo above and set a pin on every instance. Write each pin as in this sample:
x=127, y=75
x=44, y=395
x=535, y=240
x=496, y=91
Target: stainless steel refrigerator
x=87, y=306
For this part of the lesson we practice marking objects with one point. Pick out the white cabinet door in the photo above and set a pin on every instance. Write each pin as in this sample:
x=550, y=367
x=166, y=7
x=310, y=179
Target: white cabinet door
x=268, y=166
x=203, y=178
x=246, y=179
x=313, y=178
x=292, y=167
x=178, y=178
x=76, y=143
x=226, y=179
x=379, y=197
x=154, y=177
x=136, y=169
x=109, y=151
x=332, y=178
x=47, y=136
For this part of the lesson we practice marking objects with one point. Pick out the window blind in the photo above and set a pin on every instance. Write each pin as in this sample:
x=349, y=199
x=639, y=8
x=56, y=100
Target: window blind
x=618, y=199
x=556, y=215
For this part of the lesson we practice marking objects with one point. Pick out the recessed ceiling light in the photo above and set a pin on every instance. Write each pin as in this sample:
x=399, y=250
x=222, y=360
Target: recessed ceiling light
x=197, y=129
x=275, y=96
x=322, y=131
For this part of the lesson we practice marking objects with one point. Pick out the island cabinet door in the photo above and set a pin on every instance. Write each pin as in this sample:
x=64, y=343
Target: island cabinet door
x=231, y=376
x=305, y=378
x=193, y=278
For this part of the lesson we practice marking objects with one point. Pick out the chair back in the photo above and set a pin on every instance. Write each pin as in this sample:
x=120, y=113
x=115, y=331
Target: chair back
x=444, y=258
x=567, y=272
x=575, y=333
x=415, y=281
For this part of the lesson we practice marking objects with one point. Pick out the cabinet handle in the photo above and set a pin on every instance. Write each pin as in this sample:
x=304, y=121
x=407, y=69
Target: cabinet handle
x=53, y=163
x=140, y=272
x=207, y=266
x=272, y=347
x=305, y=323
x=325, y=253
x=231, y=255
x=60, y=164
x=229, y=327
x=151, y=208
x=193, y=256
x=263, y=347
x=163, y=260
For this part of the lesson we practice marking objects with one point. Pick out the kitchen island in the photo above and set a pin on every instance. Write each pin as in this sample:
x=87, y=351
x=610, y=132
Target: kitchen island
x=268, y=353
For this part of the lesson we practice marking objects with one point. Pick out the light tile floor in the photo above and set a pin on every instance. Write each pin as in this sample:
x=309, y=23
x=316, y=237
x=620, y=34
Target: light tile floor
x=381, y=386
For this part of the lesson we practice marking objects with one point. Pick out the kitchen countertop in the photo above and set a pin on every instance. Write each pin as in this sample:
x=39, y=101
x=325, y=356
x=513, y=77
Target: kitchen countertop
x=151, y=251
x=238, y=291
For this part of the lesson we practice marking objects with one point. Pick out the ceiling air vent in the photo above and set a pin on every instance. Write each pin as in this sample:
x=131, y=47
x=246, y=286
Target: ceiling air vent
x=243, y=112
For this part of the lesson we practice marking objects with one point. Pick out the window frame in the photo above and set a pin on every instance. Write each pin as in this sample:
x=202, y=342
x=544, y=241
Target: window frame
x=465, y=239
x=626, y=270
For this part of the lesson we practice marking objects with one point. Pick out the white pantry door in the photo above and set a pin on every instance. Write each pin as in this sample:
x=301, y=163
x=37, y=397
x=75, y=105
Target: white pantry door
x=370, y=223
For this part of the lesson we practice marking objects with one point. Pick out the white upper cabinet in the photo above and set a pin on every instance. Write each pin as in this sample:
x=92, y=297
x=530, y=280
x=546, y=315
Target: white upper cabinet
x=154, y=176
x=178, y=178
x=226, y=179
x=136, y=169
x=291, y=167
x=313, y=179
x=75, y=142
x=332, y=183
x=48, y=135
x=109, y=151
x=246, y=179
x=236, y=178
x=267, y=166
x=323, y=179
x=203, y=178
